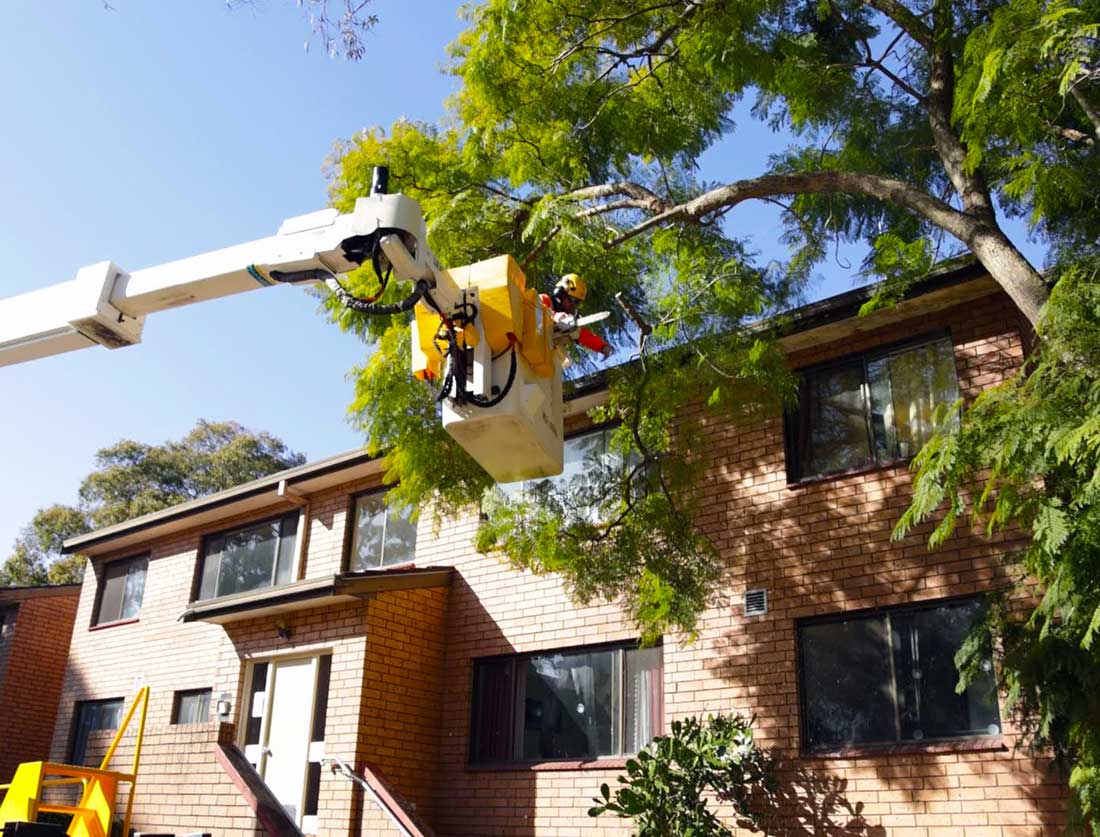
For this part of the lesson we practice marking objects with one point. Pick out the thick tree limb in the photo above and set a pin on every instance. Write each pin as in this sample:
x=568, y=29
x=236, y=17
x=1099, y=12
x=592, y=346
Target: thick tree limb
x=1092, y=113
x=978, y=231
x=912, y=25
x=887, y=189
x=970, y=186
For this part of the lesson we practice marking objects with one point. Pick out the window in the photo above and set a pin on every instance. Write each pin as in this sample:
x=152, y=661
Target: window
x=566, y=705
x=890, y=676
x=384, y=535
x=586, y=456
x=121, y=590
x=256, y=556
x=191, y=707
x=7, y=621
x=870, y=409
x=92, y=716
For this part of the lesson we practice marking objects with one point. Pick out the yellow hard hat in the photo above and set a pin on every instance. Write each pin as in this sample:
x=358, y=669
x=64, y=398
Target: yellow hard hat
x=573, y=285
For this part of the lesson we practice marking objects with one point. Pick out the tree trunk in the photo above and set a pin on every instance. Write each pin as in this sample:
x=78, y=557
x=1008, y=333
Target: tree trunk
x=1010, y=270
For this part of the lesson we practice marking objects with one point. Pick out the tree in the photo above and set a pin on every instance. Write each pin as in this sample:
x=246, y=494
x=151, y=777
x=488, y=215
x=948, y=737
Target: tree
x=574, y=143
x=132, y=478
x=917, y=127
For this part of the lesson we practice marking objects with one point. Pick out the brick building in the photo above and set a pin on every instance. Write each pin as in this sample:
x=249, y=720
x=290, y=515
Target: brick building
x=36, y=624
x=297, y=619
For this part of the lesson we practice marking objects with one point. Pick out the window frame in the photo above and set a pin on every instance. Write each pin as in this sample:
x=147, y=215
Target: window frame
x=295, y=565
x=958, y=741
x=74, y=730
x=515, y=660
x=101, y=586
x=177, y=698
x=353, y=526
x=9, y=614
x=791, y=423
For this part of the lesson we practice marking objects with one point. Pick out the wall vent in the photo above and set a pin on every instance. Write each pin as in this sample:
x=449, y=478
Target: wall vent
x=756, y=602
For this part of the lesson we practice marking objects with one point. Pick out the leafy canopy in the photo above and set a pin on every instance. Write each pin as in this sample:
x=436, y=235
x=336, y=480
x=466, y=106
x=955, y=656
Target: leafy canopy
x=576, y=142
x=133, y=478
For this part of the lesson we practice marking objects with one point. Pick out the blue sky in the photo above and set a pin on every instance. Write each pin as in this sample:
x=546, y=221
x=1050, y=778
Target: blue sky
x=157, y=130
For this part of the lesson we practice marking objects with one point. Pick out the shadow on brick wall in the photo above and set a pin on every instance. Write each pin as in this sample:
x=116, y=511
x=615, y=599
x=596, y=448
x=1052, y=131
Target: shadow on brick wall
x=806, y=802
x=482, y=800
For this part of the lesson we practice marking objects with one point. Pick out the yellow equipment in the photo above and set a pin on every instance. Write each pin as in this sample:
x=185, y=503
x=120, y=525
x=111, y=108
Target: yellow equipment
x=93, y=816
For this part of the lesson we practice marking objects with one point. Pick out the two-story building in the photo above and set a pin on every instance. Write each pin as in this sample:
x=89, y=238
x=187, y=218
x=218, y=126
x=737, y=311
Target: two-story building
x=298, y=619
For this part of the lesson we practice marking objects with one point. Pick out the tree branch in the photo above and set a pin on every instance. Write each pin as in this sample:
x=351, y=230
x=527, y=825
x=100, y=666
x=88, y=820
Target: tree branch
x=886, y=189
x=1072, y=134
x=908, y=22
x=1092, y=113
x=645, y=198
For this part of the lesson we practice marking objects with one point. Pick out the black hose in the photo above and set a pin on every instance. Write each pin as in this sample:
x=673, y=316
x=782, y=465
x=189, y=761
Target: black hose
x=356, y=304
x=485, y=403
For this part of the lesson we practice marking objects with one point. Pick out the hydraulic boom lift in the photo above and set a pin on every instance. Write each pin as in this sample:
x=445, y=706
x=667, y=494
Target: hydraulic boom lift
x=486, y=339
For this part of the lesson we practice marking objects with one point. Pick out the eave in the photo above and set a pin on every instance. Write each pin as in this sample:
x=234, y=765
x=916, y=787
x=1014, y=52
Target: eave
x=315, y=592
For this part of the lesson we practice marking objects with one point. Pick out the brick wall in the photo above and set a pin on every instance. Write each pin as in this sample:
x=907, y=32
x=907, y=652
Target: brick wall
x=820, y=548
x=36, y=650
x=399, y=722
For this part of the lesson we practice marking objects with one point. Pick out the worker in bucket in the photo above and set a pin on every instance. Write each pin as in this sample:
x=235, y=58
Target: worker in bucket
x=565, y=301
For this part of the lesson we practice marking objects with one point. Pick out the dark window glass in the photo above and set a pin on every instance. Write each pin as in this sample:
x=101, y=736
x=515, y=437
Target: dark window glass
x=925, y=642
x=7, y=621
x=122, y=589
x=320, y=702
x=91, y=716
x=192, y=707
x=384, y=535
x=875, y=408
x=253, y=711
x=313, y=788
x=569, y=705
x=493, y=700
x=888, y=677
x=251, y=558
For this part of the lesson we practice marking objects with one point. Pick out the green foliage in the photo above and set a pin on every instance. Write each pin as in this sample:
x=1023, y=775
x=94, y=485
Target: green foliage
x=576, y=141
x=668, y=785
x=1019, y=65
x=133, y=478
x=1027, y=455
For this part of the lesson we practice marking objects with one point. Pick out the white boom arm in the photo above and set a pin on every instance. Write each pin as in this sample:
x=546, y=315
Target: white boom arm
x=503, y=411
x=107, y=306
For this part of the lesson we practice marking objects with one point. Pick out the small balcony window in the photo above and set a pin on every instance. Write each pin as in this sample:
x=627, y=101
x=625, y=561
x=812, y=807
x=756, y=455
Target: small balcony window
x=250, y=558
x=191, y=707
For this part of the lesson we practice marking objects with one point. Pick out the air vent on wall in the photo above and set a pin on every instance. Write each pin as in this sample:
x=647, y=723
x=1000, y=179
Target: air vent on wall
x=756, y=602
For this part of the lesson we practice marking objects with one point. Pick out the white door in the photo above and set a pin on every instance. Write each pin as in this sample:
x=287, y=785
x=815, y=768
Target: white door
x=286, y=748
